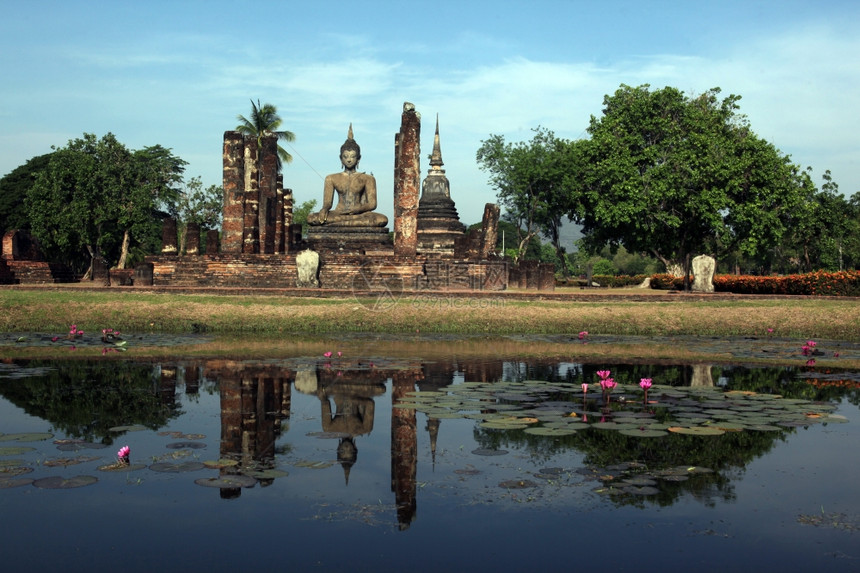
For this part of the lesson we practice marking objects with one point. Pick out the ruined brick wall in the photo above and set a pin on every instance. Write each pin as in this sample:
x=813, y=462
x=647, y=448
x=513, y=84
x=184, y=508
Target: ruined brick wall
x=255, y=204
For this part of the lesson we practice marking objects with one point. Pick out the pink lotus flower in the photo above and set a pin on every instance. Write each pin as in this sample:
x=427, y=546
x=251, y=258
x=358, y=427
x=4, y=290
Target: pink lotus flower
x=770, y=331
x=583, y=334
x=608, y=384
x=645, y=383
x=810, y=362
x=585, y=388
x=810, y=343
x=835, y=355
x=327, y=354
x=123, y=452
x=55, y=338
x=604, y=374
x=339, y=353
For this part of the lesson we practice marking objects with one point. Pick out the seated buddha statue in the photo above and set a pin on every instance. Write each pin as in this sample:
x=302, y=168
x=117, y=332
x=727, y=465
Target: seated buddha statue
x=356, y=193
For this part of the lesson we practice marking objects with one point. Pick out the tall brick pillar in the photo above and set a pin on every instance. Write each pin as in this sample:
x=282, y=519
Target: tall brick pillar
x=168, y=237
x=407, y=182
x=251, y=231
x=192, y=239
x=268, y=184
x=234, y=192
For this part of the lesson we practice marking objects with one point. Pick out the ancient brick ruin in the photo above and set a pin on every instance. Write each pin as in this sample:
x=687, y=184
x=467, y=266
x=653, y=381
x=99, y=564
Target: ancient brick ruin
x=22, y=262
x=431, y=250
x=257, y=246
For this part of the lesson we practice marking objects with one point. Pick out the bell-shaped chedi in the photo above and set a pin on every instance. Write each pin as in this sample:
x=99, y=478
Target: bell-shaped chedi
x=438, y=223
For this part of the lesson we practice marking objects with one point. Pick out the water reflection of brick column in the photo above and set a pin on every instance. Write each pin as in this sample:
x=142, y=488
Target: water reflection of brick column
x=192, y=379
x=167, y=385
x=404, y=449
x=231, y=414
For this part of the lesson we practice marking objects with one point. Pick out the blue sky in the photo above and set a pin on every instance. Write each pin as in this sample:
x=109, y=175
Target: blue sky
x=177, y=74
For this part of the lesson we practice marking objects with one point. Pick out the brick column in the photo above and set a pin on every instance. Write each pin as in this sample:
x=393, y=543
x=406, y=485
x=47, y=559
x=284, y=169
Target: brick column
x=407, y=182
x=268, y=185
x=192, y=239
x=233, y=183
x=168, y=237
x=251, y=232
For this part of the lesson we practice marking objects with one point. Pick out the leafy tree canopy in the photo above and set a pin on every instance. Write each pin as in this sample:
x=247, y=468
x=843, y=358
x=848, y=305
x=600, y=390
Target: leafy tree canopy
x=95, y=198
x=675, y=175
x=533, y=181
x=13, y=192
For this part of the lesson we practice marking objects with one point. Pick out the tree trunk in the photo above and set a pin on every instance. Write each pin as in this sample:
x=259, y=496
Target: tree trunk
x=521, y=249
x=126, y=239
x=89, y=274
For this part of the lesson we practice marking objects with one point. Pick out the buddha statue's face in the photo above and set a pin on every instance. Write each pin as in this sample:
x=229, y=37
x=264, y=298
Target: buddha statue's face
x=349, y=158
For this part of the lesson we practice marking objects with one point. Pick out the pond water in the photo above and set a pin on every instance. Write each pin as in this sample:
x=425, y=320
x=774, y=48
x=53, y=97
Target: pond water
x=391, y=464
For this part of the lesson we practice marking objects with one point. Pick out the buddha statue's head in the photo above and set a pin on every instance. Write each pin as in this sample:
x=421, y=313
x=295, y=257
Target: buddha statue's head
x=350, y=152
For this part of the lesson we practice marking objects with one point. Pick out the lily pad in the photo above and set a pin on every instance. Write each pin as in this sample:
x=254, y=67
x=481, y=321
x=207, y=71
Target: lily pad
x=65, y=462
x=58, y=482
x=130, y=428
x=189, y=445
x=170, y=467
x=6, y=483
x=220, y=464
x=265, y=474
x=697, y=430
x=12, y=471
x=644, y=433
x=550, y=431
x=15, y=450
x=227, y=481
x=29, y=437
x=121, y=467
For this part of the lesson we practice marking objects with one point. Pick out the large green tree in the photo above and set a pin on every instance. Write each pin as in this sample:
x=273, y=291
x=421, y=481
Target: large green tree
x=95, y=198
x=265, y=121
x=673, y=176
x=533, y=181
x=13, y=192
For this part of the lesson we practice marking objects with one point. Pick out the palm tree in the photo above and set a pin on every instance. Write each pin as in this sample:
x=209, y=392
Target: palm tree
x=266, y=121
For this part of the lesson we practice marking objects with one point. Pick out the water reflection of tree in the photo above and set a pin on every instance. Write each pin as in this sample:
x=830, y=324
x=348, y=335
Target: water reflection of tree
x=727, y=454
x=83, y=399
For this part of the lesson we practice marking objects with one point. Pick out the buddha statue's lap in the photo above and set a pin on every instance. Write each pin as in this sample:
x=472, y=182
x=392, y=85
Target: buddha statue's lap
x=368, y=219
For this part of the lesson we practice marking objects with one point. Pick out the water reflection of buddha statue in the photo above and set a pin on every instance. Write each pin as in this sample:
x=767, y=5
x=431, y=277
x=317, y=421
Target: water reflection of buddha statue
x=356, y=193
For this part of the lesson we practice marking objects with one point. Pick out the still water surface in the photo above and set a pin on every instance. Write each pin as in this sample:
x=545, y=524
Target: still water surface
x=403, y=464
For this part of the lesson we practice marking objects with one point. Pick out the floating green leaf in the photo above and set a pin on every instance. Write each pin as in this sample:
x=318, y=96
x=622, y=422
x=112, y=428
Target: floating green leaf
x=15, y=450
x=227, y=481
x=57, y=482
x=265, y=473
x=29, y=437
x=170, y=467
